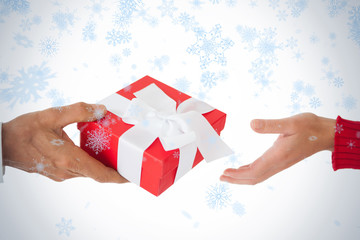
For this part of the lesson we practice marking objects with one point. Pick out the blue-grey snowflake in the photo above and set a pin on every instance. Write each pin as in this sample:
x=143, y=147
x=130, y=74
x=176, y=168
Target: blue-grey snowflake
x=48, y=47
x=160, y=62
x=4, y=76
x=115, y=60
x=18, y=6
x=125, y=12
x=233, y=160
x=197, y=3
x=282, y=15
x=274, y=4
x=126, y=52
x=115, y=37
x=187, y=21
x=63, y=20
x=354, y=24
x=349, y=102
x=27, y=85
x=218, y=196
x=308, y=90
x=88, y=32
x=167, y=8
x=36, y=20
x=335, y=7
x=315, y=102
x=210, y=47
x=65, y=227
x=22, y=40
x=248, y=35
x=296, y=7
x=209, y=79
x=338, y=82
x=231, y=3
x=238, y=208
x=291, y=43
x=182, y=84
x=314, y=39
x=25, y=24
x=57, y=98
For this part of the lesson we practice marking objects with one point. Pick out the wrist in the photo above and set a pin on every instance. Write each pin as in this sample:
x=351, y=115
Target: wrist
x=326, y=127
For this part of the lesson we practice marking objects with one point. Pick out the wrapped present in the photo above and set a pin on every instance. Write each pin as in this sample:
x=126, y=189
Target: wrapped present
x=153, y=134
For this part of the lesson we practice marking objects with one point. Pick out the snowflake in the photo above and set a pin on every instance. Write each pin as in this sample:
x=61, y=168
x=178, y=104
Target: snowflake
x=182, y=84
x=167, y=8
x=197, y=3
x=338, y=128
x=314, y=39
x=325, y=61
x=297, y=7
x=294, y=96
x=4, y=77
x=335, y=7
x=126, y=52
x=349, y=102
x=25, y=24
x=65, y=226
x=48, y=47
x=36, y=20
x=22, y=40
x=215, y=1
x=351, y=144
x=291, y=43
x=40, y=166
x=308, y=90
x=296, y=107
x=233, y=160
x=117, y=37
x=18, y=6
x=106, y=121
x=88, y=32
x=176, y=154
x=315, y=102
x=248, y=35
x=298, y=86
x=210, y=47
x=274, y=4
x=57, y=98
x=63, y=20
x=282, y=15
x=298, y=56
x=218, y=196
x=27, y=85
x=159, y=62
x=231, y=3
x=238, y=208
x=354, y=24
x=96, y=8
x=253, y=3
x=209, y=79
x=115, y=60
x=126, y=8
x=57, y=142
x=338, y=82
x=98, y=140
x=187, y=21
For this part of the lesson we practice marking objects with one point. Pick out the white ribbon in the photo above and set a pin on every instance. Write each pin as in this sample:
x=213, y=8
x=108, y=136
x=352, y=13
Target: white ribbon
x=154, y=115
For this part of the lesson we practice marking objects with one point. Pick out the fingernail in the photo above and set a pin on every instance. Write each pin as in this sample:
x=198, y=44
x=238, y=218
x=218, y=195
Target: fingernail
x=257, y=124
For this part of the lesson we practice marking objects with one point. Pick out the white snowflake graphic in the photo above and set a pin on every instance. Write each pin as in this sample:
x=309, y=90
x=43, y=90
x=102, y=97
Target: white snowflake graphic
x=40, y=166
x=176, y=154
x=238, y=208
x=338, y=128
x=218, y=196
x=98, y=140
x=351, y=144
x=57, y=142
x=210, y=47
x=65, y=226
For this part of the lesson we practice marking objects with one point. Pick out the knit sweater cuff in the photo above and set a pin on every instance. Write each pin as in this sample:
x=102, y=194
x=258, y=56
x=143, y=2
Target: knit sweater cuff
x=346, y=152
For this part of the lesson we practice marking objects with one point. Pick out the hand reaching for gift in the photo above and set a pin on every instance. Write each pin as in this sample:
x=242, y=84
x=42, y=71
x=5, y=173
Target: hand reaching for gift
x=36, y=142
x=300, y=136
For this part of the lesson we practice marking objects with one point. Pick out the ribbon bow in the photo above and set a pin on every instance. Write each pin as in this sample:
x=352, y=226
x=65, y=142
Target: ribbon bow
x=154, y=115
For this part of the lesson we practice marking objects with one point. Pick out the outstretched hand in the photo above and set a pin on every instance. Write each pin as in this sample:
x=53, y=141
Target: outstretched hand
x=300, y=136
x=36, y=142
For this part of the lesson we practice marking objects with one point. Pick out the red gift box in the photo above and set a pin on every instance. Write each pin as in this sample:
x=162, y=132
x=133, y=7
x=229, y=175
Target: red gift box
x=100, y=140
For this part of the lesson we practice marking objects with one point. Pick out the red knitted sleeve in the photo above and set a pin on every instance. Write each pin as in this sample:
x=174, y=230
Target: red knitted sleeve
x=346, y=152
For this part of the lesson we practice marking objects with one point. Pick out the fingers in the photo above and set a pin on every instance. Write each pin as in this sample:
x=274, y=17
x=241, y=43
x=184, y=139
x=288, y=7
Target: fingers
x=84, y=165
x=78, y=112
x=281, y=126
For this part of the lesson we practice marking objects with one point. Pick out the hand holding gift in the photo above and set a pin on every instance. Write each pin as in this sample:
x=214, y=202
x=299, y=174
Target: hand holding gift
x=36, y=142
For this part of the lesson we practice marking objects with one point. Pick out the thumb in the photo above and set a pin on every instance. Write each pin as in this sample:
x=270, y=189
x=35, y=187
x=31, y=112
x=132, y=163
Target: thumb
x=280, y=126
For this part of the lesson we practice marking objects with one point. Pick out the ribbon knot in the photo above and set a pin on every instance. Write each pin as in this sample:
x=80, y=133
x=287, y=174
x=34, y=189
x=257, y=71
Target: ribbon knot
x=154, y=115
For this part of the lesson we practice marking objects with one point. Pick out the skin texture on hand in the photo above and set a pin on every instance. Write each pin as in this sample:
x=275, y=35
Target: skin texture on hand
x=300, y=136
x=36, y=142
